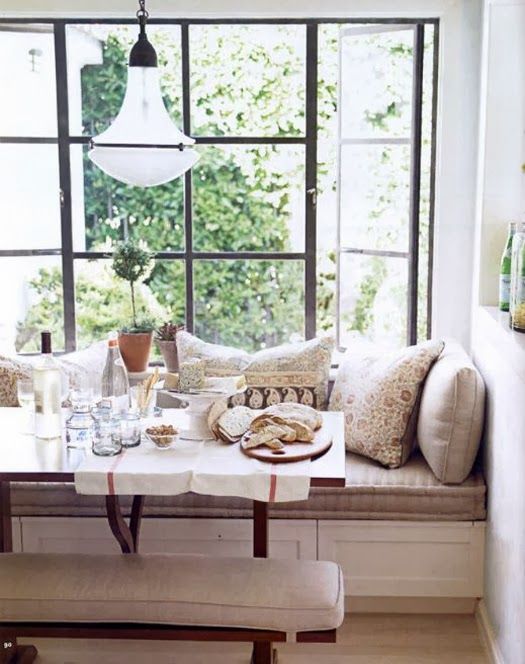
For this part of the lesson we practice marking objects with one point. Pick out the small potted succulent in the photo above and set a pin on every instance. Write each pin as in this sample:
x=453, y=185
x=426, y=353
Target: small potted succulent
x=133, y=263
x=166, y=338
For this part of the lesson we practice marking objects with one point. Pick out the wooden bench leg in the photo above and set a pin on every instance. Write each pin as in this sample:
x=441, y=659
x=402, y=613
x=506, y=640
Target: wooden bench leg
x=12, y=653
x=263, y=653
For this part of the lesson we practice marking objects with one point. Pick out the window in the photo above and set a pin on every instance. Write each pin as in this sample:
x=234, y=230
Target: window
x=310, y=208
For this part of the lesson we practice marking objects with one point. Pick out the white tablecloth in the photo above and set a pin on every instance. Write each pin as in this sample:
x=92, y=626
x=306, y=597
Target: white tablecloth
x=207, y=467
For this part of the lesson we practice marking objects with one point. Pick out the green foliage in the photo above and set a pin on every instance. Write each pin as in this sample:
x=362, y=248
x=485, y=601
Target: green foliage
x=241, y=198
x=363, y=314
x=102, y=303
x=168, y=331
x=239, y=203
x=133, y=263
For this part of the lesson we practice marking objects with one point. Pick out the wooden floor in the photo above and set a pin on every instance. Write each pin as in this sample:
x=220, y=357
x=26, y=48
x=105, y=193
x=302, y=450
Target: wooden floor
x=363, y=639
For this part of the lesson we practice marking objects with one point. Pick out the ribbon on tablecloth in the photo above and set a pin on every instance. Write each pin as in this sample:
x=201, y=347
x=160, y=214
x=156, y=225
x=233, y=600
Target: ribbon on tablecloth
x=207, y=467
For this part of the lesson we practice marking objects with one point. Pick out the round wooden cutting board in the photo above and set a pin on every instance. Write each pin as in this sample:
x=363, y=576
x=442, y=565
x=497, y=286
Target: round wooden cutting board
x=294, y=451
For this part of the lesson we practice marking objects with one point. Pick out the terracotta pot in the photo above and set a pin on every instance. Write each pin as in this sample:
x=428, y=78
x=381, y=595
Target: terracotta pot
x=169, y=354
x=135, y=348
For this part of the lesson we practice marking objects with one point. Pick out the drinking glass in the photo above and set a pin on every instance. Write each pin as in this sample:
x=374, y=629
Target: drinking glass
x=81, y=392
x=130, y=429
x=137, y=401
x=26, y=399
x=106, y=437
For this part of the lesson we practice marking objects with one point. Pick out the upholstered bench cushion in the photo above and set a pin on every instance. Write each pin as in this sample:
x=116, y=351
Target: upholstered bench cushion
x=371, y=492
x=257, y=593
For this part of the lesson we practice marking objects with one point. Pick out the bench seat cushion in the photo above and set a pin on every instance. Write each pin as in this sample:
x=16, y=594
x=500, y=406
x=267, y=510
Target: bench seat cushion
x=290, y=596
x=372, y=492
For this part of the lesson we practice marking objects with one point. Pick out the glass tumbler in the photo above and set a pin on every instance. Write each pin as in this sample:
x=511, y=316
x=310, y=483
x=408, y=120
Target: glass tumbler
x=106, y=437
x=130, y=429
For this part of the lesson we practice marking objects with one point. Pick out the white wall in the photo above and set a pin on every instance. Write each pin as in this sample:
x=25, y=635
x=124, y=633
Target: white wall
x=500, y=356
x=499, y=353
x=502, y=139
x=457, y=130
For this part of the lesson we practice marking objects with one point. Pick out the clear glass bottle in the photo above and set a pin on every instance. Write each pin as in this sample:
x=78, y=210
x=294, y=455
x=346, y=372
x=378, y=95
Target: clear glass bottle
x=506, y=269
x=47, y=385
x=115, y=384
x=517, y=286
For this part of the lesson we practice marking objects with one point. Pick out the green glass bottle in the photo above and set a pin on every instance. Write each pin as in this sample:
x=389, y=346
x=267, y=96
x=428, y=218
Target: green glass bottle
x=506, y=270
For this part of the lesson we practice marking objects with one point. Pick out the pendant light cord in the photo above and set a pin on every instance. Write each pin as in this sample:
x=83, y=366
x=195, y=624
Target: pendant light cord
x=142, y=15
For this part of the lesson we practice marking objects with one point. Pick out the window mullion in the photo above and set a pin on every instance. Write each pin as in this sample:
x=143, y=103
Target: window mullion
x=68, y=277
x=188, y=203
x=415, y=182
x=311, y=181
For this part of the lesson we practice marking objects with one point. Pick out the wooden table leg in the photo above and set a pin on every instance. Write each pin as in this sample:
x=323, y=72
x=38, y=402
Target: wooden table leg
x=6, y=531
x=126, y=535
x=262, y=652
x=260, y=529
x=10, y=651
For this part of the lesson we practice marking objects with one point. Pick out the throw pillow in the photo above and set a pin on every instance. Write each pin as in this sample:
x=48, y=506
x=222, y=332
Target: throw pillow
x=10, y=371
x=88, y=361
x=378, y=393
x=291, y=372
x=451, y=415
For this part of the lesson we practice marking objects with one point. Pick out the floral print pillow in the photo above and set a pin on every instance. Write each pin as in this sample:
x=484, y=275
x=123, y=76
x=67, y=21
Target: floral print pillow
x=379, y=394
x=296, y=372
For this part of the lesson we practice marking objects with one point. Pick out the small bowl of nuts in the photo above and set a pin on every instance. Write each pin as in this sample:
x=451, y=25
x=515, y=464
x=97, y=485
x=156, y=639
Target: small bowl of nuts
x=162, y=435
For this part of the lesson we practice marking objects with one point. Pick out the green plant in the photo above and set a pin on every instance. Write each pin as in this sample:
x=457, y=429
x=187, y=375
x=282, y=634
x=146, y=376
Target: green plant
x=132, y=263
x=168, y=331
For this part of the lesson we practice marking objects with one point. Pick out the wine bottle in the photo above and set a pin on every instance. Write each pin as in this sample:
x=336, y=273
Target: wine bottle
x=47, y=384
x=506, y=270
x=115, y=384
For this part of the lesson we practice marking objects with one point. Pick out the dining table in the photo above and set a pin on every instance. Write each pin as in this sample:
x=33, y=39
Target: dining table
x=25, y=458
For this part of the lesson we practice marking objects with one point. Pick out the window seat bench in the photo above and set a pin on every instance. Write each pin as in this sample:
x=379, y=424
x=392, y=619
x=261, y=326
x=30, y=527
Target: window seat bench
x=395, y=533
x=409, y=493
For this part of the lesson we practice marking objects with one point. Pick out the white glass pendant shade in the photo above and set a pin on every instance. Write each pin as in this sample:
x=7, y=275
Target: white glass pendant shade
x=141, y=122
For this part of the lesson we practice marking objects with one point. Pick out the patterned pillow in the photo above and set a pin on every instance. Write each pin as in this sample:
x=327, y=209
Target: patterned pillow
x=291, y=372
x=379, y=393
x=10, y=372
x=88, y=361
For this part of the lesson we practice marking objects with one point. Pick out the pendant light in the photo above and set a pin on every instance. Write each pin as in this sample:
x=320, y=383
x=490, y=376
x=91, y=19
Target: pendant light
x=142, y=146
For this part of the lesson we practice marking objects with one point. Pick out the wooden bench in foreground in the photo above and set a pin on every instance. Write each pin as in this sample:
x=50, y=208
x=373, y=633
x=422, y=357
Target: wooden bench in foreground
x=167, y=597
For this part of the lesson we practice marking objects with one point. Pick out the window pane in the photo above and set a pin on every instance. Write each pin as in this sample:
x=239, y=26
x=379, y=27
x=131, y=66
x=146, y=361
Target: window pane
x=249, y=198
x=375, y=189
x=167, y=284
x=97, y=72
x=27, y=81
x=32, y=303
x=103, y=302
x=374, y=299
x=249, y=304
x=381, y=57
x=106, y=210
x=29, y=197
x=247, y=80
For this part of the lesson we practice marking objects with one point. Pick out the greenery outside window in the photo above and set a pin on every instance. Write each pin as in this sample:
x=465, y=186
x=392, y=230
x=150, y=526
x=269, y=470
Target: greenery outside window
x=295, y=120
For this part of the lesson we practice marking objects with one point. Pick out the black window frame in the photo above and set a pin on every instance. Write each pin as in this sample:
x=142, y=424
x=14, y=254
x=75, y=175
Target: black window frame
x=64, y=141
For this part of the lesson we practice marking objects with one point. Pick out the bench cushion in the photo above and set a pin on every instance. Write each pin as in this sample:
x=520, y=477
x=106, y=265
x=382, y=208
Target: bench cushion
x=255, y=593
x=372, y=492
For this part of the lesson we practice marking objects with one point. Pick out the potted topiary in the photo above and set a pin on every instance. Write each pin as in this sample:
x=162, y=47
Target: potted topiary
x=133, y=264
x=166, y=338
